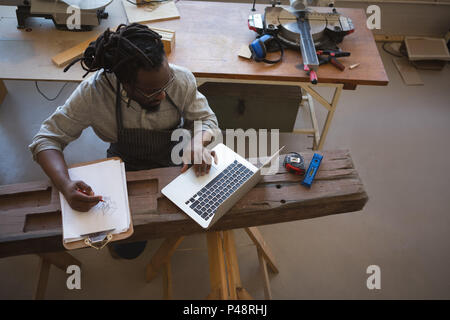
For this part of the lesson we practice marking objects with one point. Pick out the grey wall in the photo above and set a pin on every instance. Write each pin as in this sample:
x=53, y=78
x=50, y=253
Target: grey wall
x=409, y=19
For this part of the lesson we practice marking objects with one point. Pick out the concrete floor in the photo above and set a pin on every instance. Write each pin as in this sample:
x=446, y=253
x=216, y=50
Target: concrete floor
x=398, y=138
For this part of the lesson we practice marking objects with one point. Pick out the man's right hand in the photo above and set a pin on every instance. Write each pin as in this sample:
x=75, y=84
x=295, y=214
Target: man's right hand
x=80, y=196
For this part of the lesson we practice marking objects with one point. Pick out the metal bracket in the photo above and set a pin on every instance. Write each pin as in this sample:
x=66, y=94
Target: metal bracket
x=98, y=240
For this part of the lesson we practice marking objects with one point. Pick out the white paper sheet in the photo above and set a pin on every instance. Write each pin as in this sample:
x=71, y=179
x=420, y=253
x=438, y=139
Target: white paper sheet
x=107, y=179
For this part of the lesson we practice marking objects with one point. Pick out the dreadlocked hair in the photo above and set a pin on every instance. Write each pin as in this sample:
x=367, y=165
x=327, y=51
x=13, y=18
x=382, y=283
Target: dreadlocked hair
x=123, y=52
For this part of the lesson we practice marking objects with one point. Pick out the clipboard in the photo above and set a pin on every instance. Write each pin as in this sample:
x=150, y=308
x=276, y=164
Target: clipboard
x=98, y=240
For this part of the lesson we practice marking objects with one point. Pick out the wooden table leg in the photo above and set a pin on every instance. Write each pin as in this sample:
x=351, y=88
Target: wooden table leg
x=61, y=260
x=217, y=275
x=265, y=258
x=224, y=273
x=3, y=91
x=224, y=268
x=258, y=239
x=161, y=257
x=234, y=277
x=167, y=281
x=326, y=126
x=264, y=275
x=309, y=89
x=319, y=139
x=41, y=286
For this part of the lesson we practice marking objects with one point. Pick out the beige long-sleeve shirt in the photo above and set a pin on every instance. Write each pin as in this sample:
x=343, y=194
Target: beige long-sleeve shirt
x=92, y=104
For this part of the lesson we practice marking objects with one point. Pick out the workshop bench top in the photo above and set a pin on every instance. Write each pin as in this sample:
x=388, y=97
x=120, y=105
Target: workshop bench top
x=30, y=213
x=209, y=36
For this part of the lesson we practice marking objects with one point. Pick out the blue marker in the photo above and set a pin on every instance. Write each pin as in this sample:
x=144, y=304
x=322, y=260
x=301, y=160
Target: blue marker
x=312, y=170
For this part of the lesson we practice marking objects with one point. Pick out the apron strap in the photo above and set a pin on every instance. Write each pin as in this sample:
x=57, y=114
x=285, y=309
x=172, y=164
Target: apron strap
x=181, y=124
x=118, y=109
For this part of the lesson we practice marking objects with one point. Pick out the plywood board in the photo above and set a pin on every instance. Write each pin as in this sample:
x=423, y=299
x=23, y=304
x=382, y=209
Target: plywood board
x=151, y=12
x=67, y=56
x=427, y=49
x=408, y=72
x=245, y=52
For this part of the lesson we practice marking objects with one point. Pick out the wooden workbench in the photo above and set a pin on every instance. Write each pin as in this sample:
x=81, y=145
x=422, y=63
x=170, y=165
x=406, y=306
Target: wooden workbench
x=209, y=36
x=30, y=218
x=30, y=221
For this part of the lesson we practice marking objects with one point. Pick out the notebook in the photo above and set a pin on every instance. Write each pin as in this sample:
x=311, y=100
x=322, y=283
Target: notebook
x=106, y=178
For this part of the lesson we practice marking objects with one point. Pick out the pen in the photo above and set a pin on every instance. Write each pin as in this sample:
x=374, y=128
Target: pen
x=84, y=192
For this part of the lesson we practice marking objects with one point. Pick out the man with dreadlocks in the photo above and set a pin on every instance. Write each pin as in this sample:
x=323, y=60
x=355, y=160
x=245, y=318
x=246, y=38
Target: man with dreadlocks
x=134, y=101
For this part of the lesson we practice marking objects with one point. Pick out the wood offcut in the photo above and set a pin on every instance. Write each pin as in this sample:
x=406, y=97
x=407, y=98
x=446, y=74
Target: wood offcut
x=67, y=56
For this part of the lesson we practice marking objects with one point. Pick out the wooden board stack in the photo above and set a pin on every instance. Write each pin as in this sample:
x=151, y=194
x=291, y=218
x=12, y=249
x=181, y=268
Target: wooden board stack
x=150, y=11
x=168, y=38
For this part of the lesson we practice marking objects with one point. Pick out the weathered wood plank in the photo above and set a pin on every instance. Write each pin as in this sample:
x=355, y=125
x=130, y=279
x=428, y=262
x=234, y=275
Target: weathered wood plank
x=24, y=187
x=277, y=198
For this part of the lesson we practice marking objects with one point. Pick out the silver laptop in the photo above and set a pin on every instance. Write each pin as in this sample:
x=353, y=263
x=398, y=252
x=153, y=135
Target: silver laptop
x=207, y=198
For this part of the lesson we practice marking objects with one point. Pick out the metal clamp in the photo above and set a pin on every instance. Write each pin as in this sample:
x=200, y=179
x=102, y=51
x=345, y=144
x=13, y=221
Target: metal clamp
x=99, y=240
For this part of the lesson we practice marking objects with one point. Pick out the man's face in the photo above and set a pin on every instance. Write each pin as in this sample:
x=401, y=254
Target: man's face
x=148, y=89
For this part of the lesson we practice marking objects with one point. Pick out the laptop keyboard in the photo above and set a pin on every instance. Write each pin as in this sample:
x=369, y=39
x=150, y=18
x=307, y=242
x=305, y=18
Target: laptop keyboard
x=210, y=197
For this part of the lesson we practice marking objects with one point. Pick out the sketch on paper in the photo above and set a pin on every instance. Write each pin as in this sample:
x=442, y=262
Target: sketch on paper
x=107, y=207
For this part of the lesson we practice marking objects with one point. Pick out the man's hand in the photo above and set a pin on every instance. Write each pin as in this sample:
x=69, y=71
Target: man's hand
x=80, y=196
x=199, y=154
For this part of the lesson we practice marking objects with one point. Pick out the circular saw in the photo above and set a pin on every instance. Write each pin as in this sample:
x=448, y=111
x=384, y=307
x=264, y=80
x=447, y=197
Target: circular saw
x=300, y=28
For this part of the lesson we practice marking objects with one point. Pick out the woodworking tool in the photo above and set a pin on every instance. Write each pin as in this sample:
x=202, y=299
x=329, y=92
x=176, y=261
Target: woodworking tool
x=312, y=170
x=298, y=27
x=294, y=163
x=61, y=12
x=329, y=56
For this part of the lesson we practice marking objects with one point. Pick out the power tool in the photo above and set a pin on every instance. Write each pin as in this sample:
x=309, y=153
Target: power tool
x=300, y=28
x=61, y=12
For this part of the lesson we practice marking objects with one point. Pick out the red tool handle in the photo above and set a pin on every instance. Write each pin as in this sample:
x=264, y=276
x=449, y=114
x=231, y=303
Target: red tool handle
x=312, y=74
x=337, y=64
x=313, y=77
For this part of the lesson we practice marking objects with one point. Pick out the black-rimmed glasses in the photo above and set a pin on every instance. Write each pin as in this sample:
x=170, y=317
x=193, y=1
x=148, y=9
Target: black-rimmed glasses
x=157, y=92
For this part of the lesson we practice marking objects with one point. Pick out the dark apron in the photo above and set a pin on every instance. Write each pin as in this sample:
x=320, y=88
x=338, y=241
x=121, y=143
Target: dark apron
x=140, y=149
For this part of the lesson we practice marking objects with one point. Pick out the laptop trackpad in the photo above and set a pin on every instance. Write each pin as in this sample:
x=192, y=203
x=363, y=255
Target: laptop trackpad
x=192, y=182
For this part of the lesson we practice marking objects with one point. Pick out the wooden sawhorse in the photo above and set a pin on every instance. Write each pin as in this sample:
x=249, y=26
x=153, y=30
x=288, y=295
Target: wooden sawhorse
x=224, y=273
x=61, y=260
